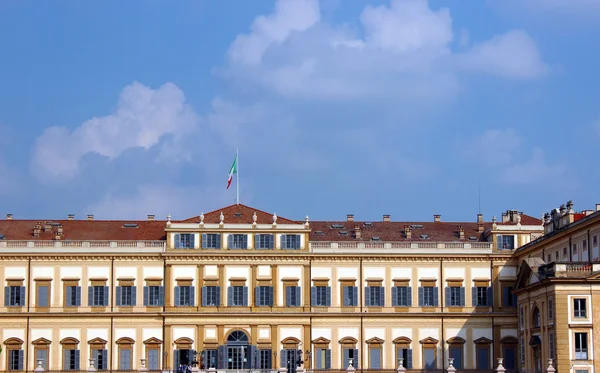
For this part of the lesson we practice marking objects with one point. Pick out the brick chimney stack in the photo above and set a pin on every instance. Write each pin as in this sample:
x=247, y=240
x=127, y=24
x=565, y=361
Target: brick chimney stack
x=9, y=216
x=350, y=217
x=71, y=217
x=150, y=217
x=437, y=218
x=386, y=218
x=461, y=232
x=480, y=218
x=407, y=232
x=357, y=232
x=90, y=217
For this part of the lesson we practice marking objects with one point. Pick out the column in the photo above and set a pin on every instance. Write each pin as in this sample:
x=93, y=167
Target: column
x=307, y=346
x=252, y=284
x=275, y=281
x=168, y=284
x=306, y=281
x=200, y=284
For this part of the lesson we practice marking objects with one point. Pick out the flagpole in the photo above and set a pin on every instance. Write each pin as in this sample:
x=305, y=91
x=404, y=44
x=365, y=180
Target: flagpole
x=237, y=179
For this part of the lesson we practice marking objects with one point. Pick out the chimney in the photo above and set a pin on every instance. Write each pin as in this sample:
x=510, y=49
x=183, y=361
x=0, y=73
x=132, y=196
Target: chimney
x=350, y=217
x=57, y=237
x=480, y=218
x=90, y=217
x=150, y=217
x=407, y=232
x=47, y=227
x=386, y=218
x=71, y=217
x=461, y=232
x=480, y=227
x=505, y=217
x=597, y=206
x=437, y=218
x=357, y=232
x=10, y=216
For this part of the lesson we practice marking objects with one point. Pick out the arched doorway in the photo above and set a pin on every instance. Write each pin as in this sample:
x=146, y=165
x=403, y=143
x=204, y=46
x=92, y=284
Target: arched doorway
x=238, y=356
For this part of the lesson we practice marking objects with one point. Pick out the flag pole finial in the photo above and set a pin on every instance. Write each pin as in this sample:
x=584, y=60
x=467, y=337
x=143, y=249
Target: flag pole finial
x=237, y=179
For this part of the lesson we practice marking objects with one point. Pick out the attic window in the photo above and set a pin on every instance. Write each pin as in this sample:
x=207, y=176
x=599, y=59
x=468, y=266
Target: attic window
x=472, y=238
x=237, y=214
x=343, y=233
x=55, y=224
x=368, y=224
x=424, y=236
x=130, y=225
x=337, y=226
x=375, y=238
x=416, y=226
x=319, y=233
x=2, y=236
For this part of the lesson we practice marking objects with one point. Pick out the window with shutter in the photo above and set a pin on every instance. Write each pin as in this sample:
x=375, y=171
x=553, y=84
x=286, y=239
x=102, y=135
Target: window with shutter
x=43, y=296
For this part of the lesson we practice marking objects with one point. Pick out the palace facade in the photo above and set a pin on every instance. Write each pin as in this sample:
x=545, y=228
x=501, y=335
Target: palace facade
x=239, y=288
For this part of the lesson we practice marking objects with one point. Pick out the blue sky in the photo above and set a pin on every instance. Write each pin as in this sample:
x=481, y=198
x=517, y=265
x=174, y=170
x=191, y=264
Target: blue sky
x=401, y=107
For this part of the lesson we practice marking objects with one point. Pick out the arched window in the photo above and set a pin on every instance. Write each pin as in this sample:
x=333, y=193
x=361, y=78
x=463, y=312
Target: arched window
x=71, y=354
x=456, y=351
x=99, y=352
x=237, y=336
x=536, y=318
x=375, y=346
x=509, y=352
x=404, y=352
x=125, y=358
x=322, y=353
x=14, y=353
x=482, y=353
x=429, y=352
x=41, y=351
x=153, y=354
x=349, y=352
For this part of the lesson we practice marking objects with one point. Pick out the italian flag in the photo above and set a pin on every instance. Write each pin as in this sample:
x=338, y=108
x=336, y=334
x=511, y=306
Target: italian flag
x=232, y=171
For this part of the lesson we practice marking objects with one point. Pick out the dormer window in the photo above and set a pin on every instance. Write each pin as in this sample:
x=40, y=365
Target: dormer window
x=184, y=240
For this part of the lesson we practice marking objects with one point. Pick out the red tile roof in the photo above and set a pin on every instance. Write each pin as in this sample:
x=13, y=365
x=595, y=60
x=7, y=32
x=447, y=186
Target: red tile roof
x=394, y=231
x=84, y=230
x=239, y=214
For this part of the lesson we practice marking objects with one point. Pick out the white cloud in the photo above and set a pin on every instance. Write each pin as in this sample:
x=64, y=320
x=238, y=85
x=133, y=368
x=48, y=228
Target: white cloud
x=160, y=200
x=143, y=115
x=504, y=153
x=513, y=54
x=403, y=50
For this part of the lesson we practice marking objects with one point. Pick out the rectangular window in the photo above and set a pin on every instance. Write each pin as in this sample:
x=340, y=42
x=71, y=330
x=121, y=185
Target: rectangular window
x=237, y=241
x=14, y=296
x=579, y=308
x=508, y=298
x=73, y=296
x=101, y=357
x=98, y=296
x=556, y=256
x=401, y=296
x=263, y=241
x=550, y=309
x=264, y=359
x=43, y=296
x=375, y=358
x=184, y=296
x=15, y=359
x=374, y=296
x=350, y=295
x=505, y=242
x=428, y=296
x=323, y=358
x=321, y=296
x=521, y=318
x=211, y=241
x=126, y=295
x=522, y=350
x=551, y=345
x=482, y=296
x=456, y=352
x=429, y=358
x=565, y=254
x=581, y=346
x=264, y=296
x=595, y=241
x=211, y=296
x=238, y=296
x=71, y=359
x=406, y=355
x=290, y=241
x=455, y=296
x=293, y=296
x=125, y=359
x=483, y=357
x=210, y=359
x=154, y=296
x=185, y=240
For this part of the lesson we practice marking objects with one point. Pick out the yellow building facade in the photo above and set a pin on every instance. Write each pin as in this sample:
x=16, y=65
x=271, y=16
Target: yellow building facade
x=239, y=288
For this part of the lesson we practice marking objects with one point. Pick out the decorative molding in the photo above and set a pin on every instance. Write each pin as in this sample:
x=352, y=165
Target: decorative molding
x=13, y=341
